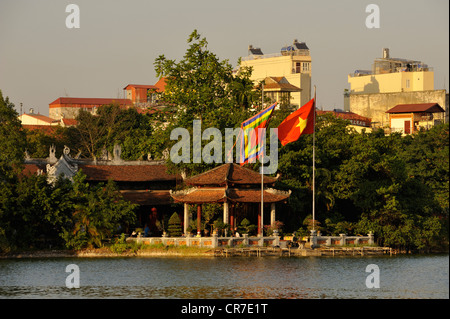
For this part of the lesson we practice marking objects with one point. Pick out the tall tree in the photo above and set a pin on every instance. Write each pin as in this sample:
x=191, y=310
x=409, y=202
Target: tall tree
x=204, y=88
x=110, y=125
x=12, y=140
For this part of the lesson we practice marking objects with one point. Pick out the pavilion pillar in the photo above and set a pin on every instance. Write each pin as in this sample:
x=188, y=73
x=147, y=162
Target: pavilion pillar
x=225, y=212
x=272, y=214
x=199, y=219
x=259, y=221
x=232, y=218
x=186, y=218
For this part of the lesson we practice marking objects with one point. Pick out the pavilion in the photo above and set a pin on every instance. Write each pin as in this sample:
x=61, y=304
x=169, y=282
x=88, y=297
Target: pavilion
x=230, y=184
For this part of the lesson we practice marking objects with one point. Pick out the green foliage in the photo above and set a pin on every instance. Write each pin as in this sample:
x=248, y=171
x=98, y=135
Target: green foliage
x=97, y=212
x=12, y=141
x=395, y=186
x=246, y=227
x=203, y=88
x=120, y=245
x=174, y=228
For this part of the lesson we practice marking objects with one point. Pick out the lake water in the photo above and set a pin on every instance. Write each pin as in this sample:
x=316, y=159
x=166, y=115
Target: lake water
x=238, y=277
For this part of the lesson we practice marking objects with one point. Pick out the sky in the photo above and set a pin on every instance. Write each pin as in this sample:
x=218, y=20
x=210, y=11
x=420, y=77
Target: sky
x=118, y=41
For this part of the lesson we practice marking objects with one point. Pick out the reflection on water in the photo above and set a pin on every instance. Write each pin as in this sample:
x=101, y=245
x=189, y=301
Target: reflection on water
x=246, y=278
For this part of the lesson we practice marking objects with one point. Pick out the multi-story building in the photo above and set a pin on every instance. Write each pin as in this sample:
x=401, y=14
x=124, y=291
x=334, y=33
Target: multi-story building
x=293, y=63
x=390, y=82
x=69, y=107
x=145, y=95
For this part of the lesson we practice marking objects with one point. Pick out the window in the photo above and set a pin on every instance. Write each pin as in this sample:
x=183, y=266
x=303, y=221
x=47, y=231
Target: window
x=306, y=66
x=297, y=67
x=407, y=84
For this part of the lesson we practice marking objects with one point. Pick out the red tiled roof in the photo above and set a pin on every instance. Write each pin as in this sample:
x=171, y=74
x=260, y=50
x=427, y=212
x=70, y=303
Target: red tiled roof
x=30, y=169
x=199, y=195
x=279, y=83
x=413, y=108
x=229, y=174
x=127, y=173
x=82, y=100
x=42, y=118
x=159, y=197
x=254, y=195
x=352, y=117
x=141, y=86
x=214, y=195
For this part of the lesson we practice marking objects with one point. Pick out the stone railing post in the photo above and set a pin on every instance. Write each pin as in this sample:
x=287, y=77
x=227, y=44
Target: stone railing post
x=245, y=241
x=276, y=241
x=342, y=239
x=188, y=239
x=313, y=239
x=215, y=240
x=371, y=238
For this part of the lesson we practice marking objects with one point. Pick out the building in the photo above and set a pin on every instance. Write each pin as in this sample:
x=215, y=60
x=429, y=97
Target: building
x=144, y=95
x=146, y=182
x=390, y=82
x=141, y=95
x=48, y=125
x=410, y=118
x=69, y=107
x=357, y=122
x=390, y=75
x=37, y=119
x=231, y=185
x=278, y=89
x=293, y=63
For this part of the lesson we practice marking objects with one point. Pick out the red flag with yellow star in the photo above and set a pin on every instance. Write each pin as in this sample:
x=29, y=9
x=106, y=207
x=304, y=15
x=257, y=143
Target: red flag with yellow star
x=298, y=123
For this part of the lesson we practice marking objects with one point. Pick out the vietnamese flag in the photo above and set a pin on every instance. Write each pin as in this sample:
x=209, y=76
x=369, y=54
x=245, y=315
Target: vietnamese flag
x=297, y=123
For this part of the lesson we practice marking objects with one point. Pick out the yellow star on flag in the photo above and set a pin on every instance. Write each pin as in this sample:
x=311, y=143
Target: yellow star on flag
x=302, y=124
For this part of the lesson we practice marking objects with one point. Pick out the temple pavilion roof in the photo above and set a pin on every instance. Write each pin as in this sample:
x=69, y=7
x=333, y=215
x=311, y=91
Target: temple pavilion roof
x=229, y=174
x=196, y=195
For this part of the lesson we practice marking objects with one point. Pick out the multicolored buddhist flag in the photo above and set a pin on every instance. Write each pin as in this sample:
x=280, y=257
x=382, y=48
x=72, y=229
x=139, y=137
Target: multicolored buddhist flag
x=297, y=123
x=253, y=133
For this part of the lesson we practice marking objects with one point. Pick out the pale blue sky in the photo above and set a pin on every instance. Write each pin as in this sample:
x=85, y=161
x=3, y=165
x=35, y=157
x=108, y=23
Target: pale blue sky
x=118, y=41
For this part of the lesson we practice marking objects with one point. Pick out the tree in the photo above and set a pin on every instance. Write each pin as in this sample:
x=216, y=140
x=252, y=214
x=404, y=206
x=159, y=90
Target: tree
x=111, y=125
x=203, y=88
x=12, y=140
x=174, y=229
x=12, y=147
x=97, y=213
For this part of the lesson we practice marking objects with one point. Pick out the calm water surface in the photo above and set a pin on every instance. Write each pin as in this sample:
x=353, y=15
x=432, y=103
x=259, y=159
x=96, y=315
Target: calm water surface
x=304, y=277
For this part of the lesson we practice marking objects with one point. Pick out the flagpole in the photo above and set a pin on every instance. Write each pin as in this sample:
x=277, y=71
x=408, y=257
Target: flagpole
x=262, y=172
x=314, y=163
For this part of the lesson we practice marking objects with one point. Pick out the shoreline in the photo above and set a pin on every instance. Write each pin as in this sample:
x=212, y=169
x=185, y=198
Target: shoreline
x=181, y=252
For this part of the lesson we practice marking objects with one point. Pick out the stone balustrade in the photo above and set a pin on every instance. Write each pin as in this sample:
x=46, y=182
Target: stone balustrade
x=210, y=242
x=317, y=240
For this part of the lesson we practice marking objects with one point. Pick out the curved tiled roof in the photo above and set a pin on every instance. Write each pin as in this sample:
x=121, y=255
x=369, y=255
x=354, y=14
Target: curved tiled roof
x=214, y=195
x=127, y=173
x=227, y=174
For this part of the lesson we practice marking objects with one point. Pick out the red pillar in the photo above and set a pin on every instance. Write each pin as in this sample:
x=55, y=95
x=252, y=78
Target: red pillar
x=199, y=218
x=259, y=220
x=232, y=218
